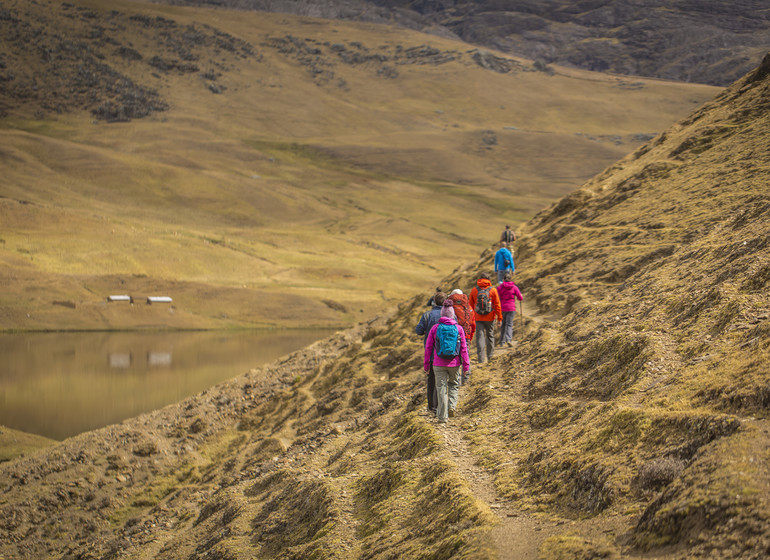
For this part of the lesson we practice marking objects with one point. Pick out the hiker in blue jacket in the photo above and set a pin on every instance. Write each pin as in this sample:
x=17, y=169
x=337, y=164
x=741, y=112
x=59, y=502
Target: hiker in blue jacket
x=503, y=261
x=427, y=321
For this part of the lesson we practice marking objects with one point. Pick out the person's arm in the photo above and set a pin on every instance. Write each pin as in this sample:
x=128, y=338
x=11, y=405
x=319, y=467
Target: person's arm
x=496, y=303
x=464, y=351
x=420, y=328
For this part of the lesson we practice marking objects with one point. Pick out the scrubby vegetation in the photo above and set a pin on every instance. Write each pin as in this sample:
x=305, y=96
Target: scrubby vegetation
x=630, y=421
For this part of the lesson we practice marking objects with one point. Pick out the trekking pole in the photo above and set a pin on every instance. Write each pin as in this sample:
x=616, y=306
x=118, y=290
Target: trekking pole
x=521, y=313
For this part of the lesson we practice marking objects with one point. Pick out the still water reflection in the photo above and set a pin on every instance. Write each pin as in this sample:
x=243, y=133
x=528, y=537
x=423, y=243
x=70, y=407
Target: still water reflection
x=61, y=384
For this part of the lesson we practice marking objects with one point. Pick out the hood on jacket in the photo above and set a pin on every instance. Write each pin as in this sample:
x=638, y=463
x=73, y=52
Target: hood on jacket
x=447, y=321
x=483, y=283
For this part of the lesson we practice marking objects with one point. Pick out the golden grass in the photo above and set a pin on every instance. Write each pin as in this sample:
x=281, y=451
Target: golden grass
x=294, y=191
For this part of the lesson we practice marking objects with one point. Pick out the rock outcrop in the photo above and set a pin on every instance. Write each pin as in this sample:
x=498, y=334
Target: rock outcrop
x=691, y=41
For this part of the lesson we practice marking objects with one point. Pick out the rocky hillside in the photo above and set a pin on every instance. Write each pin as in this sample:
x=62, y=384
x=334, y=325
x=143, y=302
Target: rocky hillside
x=630, y=419
x=704, y=41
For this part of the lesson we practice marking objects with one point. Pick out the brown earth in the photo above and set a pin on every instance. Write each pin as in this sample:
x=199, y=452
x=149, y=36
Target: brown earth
x=629, y=420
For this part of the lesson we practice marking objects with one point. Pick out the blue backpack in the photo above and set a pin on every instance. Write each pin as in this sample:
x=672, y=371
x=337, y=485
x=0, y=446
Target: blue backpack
x=447, y=341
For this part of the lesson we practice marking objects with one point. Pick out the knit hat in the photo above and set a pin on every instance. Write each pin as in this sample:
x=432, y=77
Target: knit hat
x=448, y=310
x=456, y=292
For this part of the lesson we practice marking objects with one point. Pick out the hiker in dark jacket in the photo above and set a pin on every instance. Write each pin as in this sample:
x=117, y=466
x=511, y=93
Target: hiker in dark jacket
x=508, y=235
x=447, y=368
x=427, y=321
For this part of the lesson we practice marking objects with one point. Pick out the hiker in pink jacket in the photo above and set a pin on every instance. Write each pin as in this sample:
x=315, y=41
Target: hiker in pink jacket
x=508, y=293
x=446, y=344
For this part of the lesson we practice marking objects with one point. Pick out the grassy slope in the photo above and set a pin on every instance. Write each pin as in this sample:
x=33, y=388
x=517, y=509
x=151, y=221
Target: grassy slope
x=632, y=424
x=289, y=189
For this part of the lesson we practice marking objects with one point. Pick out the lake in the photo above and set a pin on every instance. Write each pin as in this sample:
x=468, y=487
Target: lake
x=61, y=384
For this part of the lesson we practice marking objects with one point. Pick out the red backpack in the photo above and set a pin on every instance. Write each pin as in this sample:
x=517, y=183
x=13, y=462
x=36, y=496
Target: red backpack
x=463, y=313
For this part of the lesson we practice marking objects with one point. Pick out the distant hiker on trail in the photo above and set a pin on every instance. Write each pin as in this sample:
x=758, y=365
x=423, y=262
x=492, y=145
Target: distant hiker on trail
x=446, y=350
x=427, y=321
x=464, y=315
x=486, y=306
x=508, y=236
x=503, y=261
x=509, y=293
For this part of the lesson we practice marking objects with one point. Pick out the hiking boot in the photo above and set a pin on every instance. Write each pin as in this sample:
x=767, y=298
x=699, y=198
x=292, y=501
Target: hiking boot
x=451, y=412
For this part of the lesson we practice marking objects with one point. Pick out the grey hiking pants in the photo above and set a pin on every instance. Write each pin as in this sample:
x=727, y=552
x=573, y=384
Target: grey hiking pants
x=485, y=340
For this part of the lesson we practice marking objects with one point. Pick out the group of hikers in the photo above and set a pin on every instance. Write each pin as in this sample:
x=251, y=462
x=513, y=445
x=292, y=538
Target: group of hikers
x=455, y=319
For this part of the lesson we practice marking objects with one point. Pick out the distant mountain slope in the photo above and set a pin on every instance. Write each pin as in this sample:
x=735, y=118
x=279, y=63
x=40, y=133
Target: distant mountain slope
x=629, y=421
x=265, y=169
x=705, y=41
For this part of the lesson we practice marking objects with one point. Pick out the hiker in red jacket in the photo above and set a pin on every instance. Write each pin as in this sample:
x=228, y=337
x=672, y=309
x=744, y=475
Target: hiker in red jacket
x=465, y=316
x=486, y=306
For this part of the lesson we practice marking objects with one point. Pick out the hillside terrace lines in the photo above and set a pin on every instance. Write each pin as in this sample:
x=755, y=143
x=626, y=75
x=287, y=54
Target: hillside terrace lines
x=320, y=57
x=169, y=47
x=93, y=70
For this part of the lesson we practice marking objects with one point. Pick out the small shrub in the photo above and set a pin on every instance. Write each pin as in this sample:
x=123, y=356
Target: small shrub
x=660, y=472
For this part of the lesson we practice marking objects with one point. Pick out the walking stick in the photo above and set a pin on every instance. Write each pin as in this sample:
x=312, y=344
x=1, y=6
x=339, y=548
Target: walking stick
x=521, y=313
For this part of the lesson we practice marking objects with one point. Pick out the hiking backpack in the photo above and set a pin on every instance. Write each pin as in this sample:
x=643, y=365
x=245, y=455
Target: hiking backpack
x=448, y=341
x=463, y=313
x=484, y=301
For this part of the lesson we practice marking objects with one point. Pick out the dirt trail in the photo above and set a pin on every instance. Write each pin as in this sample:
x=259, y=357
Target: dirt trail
x=518, y=535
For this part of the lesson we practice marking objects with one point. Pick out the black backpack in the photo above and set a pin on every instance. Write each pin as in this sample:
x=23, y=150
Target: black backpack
x=483, y=301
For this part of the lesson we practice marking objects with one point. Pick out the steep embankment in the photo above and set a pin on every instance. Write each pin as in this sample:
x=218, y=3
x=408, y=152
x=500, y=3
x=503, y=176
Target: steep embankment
x=633, y=422
x=266, y=169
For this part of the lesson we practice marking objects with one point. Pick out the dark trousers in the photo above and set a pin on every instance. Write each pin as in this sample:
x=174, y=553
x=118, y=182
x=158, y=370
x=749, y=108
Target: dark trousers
x=432, y=395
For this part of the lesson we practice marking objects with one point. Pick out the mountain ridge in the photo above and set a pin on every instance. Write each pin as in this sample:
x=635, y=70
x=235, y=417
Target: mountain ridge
x=687, y=40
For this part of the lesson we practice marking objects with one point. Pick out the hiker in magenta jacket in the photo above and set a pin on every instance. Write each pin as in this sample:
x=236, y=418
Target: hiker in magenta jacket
x=447, y=372
x=508, y=293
